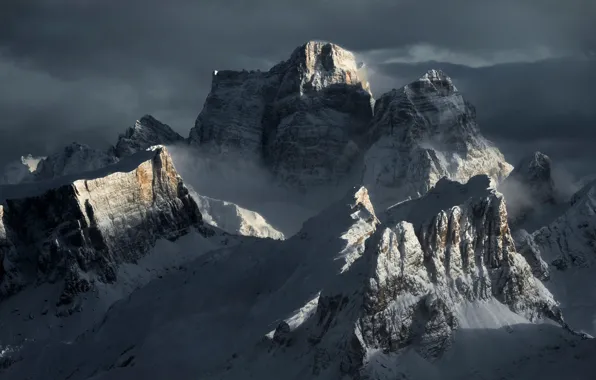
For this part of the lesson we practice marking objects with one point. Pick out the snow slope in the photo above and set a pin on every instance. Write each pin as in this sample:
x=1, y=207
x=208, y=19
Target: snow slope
x=347, y=297
x=234, y=219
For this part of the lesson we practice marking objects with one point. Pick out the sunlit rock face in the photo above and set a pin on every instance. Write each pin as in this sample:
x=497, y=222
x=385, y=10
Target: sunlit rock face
x=304, y=118
x=421, y=133
x=79, y=228
x=419, y=265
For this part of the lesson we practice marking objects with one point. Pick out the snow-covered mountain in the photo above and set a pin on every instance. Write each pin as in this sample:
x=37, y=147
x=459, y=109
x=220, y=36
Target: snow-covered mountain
x=566, y=251
x=146, y=132
x=531, y=194
x=351, y=296
x=234, y=219
x=304, y=118
x=74, y=158
x=421, y=133
x=78, y=229
x=113, y=267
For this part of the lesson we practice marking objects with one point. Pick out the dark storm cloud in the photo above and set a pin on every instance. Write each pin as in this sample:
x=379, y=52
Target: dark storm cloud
x=85, y=69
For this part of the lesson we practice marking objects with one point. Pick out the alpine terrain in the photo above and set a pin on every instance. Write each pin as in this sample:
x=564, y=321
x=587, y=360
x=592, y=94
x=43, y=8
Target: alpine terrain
x=303, y=230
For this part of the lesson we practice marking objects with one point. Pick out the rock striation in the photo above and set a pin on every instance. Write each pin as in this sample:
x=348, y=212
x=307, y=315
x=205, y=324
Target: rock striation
x=421, y=133
x=304, y=118
x=408, y=275
x=78, y=229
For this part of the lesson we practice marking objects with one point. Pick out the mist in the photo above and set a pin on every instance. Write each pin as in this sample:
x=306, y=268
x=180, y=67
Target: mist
x=250, y=185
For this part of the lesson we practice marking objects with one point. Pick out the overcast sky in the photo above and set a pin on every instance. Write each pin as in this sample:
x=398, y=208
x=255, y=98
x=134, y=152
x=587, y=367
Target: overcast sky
x=85, y=70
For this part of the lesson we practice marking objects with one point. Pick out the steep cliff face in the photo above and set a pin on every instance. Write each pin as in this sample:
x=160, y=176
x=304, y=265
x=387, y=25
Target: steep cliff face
x=146, y=132
x=304, y=117
x=428, y=259
x=74, y=158
x=421, y=133
x=464, y=235
x=80, y=228
x=352, y=294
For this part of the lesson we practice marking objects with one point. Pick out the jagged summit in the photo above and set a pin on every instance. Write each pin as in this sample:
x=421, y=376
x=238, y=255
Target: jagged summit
x=535, y=172
x=422, y=132
x=531, y=192
x=536, y=166
x=324, y=63
x=438, y=79
x=146, y=132
x=74, y=158
x=304, y=118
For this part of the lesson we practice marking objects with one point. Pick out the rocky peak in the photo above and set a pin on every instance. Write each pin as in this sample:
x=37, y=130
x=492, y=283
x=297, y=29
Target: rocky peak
x=409, y=277
x=146, y=132
x=448, y=248
x=421, y=133
x=530, y=190
x=435, y=80
x=304, y=118
x=535, y=171
x=321, y=64
x=79, y=228
x=74, y=158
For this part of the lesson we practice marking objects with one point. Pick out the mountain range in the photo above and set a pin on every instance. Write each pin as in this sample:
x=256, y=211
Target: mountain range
x=304, y=229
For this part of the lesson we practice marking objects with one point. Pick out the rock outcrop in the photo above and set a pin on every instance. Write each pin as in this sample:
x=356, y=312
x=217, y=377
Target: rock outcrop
x=468, y=248
x=146, y=132
x=348, y=295
x=79, y=228
x=74, y=158
x=304, y=118
x=421, y=133
x=530, y=188
x=418, y=269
